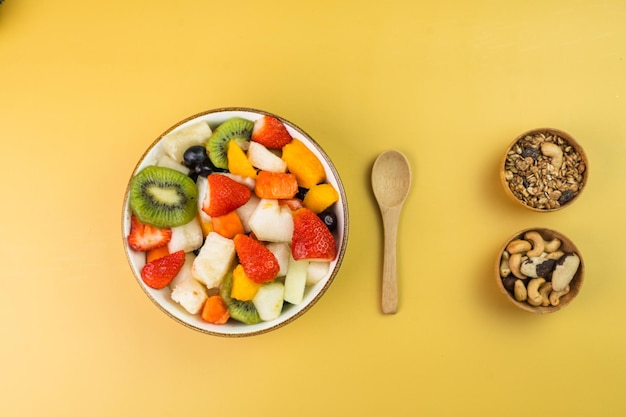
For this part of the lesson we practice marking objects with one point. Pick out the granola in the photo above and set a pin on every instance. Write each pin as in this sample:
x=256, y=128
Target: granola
x=541, y=175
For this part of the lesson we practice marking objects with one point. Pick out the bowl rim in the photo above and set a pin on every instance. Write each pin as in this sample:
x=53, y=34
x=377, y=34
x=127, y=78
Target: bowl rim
x=342, y=243
x=578, y=279
x=571, y=141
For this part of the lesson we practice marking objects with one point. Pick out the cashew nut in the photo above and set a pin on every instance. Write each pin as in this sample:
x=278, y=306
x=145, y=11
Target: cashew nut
x=533, y=297
x=537, y=243
x=519, y=291
x=555, y=296
x=555, y=255
x=554, y=152
x=545, y=290
x=518, y=246
x=515, y=261
x=505, y=271
x=552, y=246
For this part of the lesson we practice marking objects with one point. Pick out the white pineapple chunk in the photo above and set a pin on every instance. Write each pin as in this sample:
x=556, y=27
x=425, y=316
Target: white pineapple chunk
x=271, y=222
x=214, y=260
x=203, y=189
x=269, y=300
x=244, y=212
x=176, y=143
x=282, y=252
x=187, y=237
x=264, y=159
x=295, y=281
x=167, y=162
x=247, y=181
x=185, y=271
x=190, y=294
x=186, y=291
x=316, y=271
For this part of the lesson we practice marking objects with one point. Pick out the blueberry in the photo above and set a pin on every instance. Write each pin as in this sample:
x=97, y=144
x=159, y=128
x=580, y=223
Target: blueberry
x=204, y=168
x=193, y=175
x=194, y=156
x=329, y=218
x=301, y=192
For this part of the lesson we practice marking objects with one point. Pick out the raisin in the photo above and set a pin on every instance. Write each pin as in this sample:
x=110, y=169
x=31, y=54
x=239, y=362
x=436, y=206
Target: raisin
x=566, y=197
x=530, y=151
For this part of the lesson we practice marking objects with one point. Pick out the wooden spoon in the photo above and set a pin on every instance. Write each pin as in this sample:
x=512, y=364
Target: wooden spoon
x=391, y=180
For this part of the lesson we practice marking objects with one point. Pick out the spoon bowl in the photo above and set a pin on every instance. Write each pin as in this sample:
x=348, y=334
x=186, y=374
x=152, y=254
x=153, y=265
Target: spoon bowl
x=391, y=181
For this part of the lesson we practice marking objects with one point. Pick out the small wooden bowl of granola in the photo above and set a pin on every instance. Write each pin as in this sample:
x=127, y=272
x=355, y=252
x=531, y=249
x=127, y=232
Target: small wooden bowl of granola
x=539, y=270
x=544, y=169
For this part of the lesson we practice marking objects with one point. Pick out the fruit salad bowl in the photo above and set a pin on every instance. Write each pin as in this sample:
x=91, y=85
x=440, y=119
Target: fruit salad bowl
x=234, y=222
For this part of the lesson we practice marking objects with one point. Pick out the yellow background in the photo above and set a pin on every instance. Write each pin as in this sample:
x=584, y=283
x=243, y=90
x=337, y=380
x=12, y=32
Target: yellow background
x=85, y=87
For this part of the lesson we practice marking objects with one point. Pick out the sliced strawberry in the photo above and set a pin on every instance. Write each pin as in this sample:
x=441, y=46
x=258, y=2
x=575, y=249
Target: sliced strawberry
x=270, y=132
x=258, y=262
x=144, y=237
x=311, y=237
x=160, y=272
x=224, y=195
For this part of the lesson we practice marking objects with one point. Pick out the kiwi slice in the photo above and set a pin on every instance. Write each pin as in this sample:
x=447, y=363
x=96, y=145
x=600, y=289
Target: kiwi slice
x=163, y=197
x=243, y=311
x=237, y=129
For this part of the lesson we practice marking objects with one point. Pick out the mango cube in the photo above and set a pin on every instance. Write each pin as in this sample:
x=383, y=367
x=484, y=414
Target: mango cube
x=244, y=288
x=320, y=197
x=304, y=164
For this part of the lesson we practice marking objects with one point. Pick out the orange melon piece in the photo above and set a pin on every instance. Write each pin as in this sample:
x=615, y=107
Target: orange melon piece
x=215, y=310
x=157, y=253
x=229, y=225
x=276, y=185
x=303, y=163
x=238, y=162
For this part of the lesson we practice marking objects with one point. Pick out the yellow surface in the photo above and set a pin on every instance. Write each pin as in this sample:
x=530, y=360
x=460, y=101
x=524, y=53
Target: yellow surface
x=85, y=87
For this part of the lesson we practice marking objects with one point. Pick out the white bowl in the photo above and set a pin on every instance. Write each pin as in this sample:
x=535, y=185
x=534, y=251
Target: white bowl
x=290, y=312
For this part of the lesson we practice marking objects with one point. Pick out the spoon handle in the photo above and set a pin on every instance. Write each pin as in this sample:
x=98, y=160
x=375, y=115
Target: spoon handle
x=390, y=282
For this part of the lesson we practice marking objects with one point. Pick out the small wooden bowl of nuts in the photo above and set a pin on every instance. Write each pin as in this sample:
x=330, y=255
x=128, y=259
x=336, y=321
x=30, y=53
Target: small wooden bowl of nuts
x=540, y=270
x=544, y=169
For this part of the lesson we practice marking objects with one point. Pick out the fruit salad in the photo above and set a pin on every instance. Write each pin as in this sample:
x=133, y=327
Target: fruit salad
x=235, y=221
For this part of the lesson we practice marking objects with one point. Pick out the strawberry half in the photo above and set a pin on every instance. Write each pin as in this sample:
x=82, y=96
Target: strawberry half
x=224, y=195
x=258, y=262
x=160, y=272
x=143, y=237
x=311, y=237
x=270, y=132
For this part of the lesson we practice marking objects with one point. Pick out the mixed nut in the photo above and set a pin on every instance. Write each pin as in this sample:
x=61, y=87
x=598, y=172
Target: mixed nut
x=544, y=171
x=536, y=270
